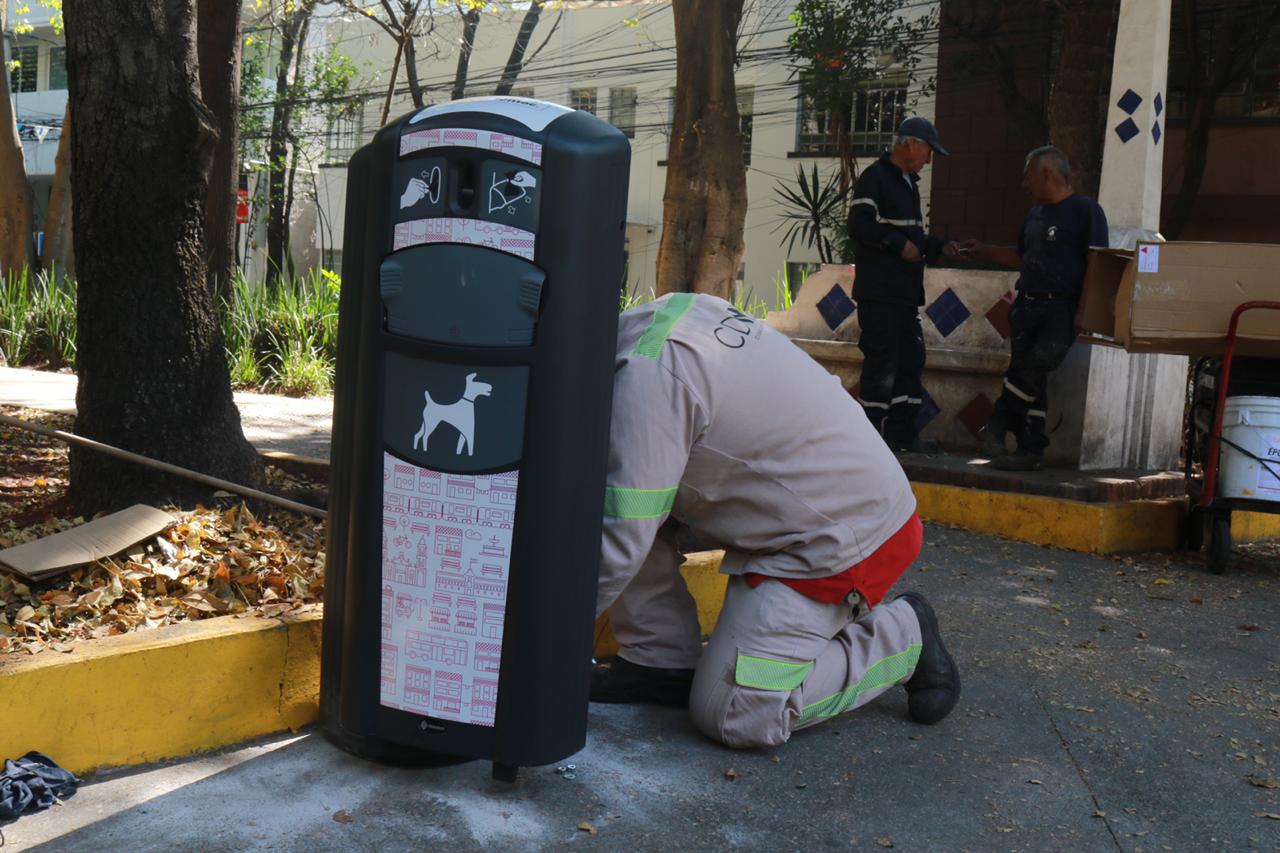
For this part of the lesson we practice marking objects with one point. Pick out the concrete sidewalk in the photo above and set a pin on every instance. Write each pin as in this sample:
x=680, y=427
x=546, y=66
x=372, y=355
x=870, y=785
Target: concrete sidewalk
x=287, y=424
x=1109, y=704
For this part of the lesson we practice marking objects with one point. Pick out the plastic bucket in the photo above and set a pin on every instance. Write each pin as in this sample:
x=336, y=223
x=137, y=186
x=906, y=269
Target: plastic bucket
x=1250, y=468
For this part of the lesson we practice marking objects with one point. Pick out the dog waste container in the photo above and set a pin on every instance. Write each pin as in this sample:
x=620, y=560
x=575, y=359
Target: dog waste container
x=482, y=264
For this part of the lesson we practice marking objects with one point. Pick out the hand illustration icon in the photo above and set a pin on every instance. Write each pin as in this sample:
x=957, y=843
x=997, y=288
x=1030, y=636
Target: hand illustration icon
x=413, y=193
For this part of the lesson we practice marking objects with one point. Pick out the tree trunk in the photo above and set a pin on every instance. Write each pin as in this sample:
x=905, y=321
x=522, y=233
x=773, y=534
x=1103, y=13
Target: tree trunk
x=15, y=190
x=1081, y=86
x=218, y=45
x=152, y=370
x=59, y=254
x=515, y=61
x=278, y=145
x=391, y=86
x=411, y=72
x=705, y=203
x=470, y=23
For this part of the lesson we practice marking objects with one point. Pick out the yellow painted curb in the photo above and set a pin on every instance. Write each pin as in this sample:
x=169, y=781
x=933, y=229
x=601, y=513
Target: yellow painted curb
x=145, y=697
x=1254, y=526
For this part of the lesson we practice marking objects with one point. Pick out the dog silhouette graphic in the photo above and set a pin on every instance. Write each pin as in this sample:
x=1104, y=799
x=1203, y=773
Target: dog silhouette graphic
x=460, y=415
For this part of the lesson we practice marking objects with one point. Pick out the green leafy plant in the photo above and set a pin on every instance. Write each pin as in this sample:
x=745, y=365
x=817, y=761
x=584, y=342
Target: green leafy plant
x=810, y=209
x=37, y=319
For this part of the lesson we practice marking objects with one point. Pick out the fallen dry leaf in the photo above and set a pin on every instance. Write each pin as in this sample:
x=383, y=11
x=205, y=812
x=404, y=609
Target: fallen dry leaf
x=885, y=841
x=342, y=816
x=587, y=828
x=731, y=774
x=1267, y=815
x=1260, y=782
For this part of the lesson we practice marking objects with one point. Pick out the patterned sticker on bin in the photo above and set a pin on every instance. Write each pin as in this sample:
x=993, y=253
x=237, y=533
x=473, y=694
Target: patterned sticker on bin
x=473, y=232
x=446, y=559
x=459, y=137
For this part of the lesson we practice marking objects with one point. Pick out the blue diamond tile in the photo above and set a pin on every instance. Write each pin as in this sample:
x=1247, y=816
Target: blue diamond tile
x=947, y=312
x=1159, y=103
x=1155, y=132
x=835, y=307
x=1127, y=130
x=1129, y=101
x=927, y=412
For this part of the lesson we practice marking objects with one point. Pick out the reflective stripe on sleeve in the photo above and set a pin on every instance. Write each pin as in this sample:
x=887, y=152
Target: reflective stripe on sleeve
x=655, y=337
x=766, y=674
x=902, y=223
x=884, y=672
x=638, y=503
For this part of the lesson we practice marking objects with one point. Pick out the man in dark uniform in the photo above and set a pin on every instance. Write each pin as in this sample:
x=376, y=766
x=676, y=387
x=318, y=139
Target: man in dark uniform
x=890, y=253
x=1052, y=252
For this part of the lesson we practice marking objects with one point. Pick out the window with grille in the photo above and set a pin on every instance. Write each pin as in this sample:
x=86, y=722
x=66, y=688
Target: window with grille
x=746, y=108
x=343, y=137
x=622, y=110
x=871, y=116
x=583, y=99
x=57, y=67
x=23, y=77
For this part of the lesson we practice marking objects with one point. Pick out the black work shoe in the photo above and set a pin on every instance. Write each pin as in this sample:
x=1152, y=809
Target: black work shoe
x=623, y=682
x=914, y=444
x=1020, y=460
x=992, y=437
x=934, y=688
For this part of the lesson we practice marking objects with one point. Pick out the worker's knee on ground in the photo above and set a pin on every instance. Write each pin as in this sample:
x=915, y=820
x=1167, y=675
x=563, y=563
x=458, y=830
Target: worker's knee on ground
x=743, y=717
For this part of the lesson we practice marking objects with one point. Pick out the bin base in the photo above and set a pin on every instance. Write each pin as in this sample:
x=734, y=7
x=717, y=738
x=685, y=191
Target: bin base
x=386, y=752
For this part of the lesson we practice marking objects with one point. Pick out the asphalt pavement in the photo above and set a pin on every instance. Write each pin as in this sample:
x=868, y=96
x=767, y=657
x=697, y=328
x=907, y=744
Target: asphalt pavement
x=1109, y=704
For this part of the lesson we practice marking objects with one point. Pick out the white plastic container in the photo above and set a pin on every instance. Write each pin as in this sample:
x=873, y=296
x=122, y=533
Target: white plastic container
x=1253, y=423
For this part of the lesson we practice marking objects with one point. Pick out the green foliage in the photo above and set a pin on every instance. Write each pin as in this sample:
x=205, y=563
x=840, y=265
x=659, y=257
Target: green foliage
x=283, y=340
x=37, y=319
x=813, y=209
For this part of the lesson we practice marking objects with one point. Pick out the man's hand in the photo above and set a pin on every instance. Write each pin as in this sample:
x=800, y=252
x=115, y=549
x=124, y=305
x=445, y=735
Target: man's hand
x=961, y=249
x=910, y=253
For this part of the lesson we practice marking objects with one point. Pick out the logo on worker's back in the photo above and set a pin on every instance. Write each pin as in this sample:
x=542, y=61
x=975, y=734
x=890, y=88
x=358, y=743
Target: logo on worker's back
x=1052, y=233
x=736, y=327
x=460, y=415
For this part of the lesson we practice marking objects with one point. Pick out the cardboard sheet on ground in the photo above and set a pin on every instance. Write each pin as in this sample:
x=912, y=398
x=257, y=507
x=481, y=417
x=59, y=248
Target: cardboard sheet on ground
x=99, y=538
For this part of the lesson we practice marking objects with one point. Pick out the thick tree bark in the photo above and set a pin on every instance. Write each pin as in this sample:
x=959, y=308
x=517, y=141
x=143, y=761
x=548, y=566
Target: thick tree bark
x=515, y=61
x=59, y=254
x=15, y=191
x=1081, y=85
x=218, y=46
x=391, y=86
x=705, y=202
x=470, y=23
x=411, y=72
x=278, y=146
x=152, y=371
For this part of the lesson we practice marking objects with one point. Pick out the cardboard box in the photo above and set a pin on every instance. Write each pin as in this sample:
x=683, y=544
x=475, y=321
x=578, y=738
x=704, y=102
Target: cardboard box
x=1178, y=297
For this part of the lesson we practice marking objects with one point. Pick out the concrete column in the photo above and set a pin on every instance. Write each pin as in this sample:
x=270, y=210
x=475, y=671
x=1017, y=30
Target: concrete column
x=1117, y=410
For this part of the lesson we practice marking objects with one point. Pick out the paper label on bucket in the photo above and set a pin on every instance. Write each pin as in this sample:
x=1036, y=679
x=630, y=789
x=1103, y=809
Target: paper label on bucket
x=1267, y=481
x=446, y=558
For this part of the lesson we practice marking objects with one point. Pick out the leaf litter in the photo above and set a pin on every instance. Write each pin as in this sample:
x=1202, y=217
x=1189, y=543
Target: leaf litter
x=209, y=562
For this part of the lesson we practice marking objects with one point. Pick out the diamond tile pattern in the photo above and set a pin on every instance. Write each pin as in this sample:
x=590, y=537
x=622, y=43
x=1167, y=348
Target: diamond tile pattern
x=1155, y=132
x=976, y=414
x=947, y=312
x=1129, y=101
x=835, y=307
x=1159, y=104
x=998, y=314
x=1127, y=130
x=928, y=410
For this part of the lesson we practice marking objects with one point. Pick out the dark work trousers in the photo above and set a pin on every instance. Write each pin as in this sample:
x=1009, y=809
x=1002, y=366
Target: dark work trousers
x=892, y=345
x=1040, y=333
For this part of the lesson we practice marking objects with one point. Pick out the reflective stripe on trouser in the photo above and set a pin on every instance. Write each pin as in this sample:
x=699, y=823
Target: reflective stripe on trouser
x=1040, y=336
x=779, y=661
x=655, y=619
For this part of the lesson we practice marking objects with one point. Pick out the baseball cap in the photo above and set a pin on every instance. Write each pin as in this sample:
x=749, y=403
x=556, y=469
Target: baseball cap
x=922, y=129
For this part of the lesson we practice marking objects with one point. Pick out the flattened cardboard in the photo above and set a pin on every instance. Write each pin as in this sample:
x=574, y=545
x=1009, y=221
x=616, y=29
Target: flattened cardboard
x=1178, y=297
x=99, y=538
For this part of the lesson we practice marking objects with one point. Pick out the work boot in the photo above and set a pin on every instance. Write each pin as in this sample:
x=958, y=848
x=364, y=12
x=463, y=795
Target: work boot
x=913, y=444
x=934, y=688
x=992, y=437
x=623, y=682
x=1019, y=460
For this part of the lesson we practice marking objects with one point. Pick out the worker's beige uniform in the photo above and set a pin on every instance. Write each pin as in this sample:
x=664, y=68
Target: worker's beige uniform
x=725, y=426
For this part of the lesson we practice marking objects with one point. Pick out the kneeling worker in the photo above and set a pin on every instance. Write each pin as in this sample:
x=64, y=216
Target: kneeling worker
x=726, y=429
